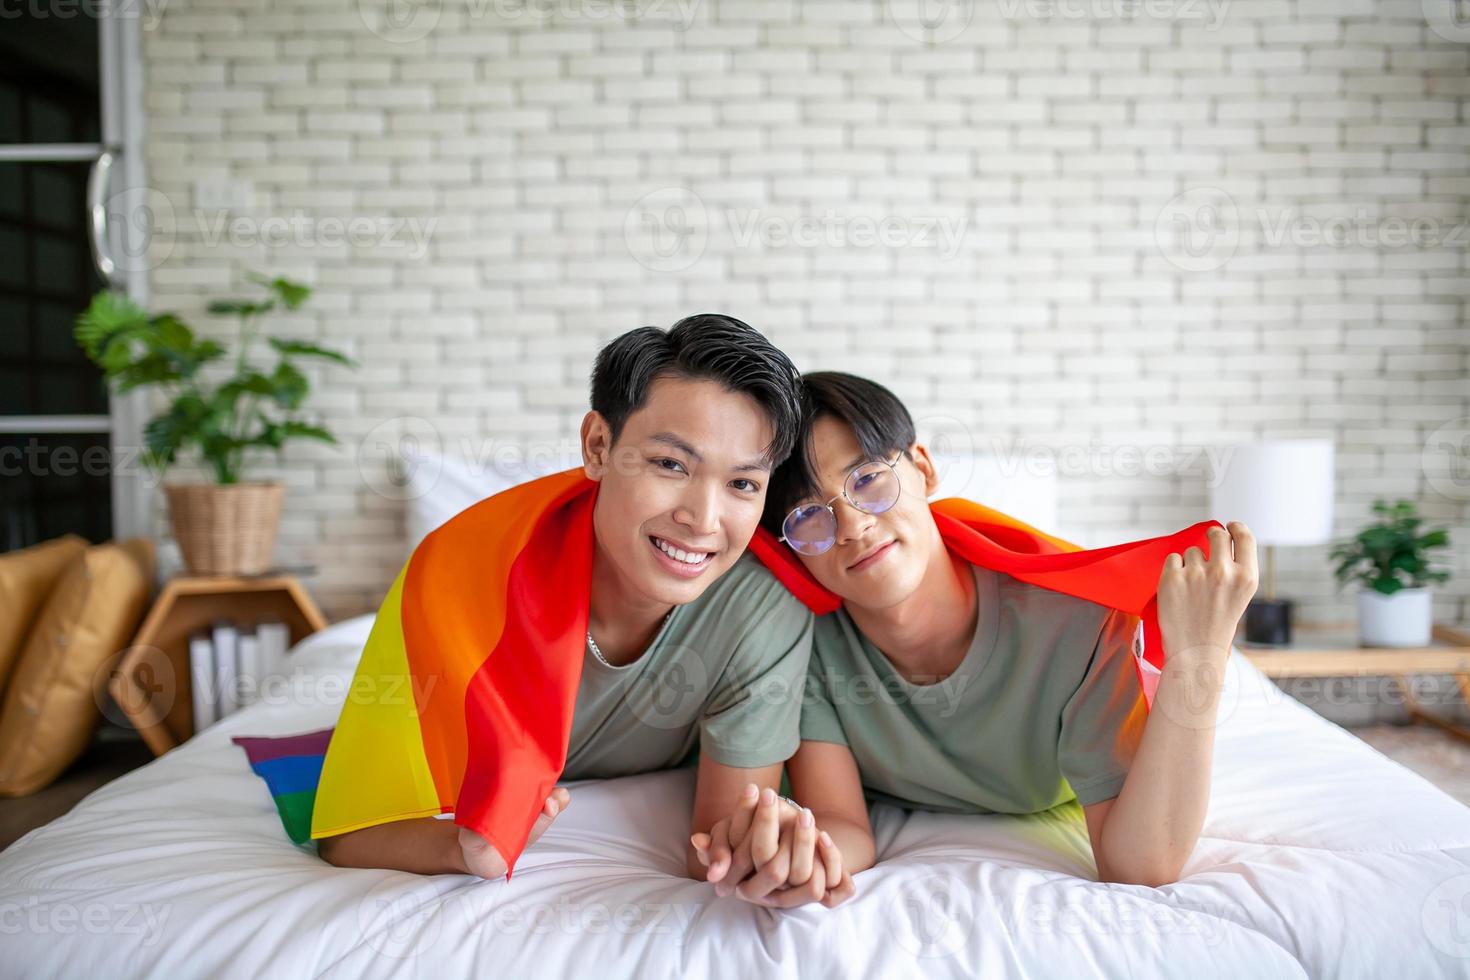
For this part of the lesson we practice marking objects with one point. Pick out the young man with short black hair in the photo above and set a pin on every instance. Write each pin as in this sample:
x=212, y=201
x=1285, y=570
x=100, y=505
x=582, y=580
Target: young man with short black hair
x=685, y=428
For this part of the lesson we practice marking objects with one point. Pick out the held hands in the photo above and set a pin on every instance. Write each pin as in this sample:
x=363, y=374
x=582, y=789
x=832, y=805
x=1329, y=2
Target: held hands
x=768, y=853
x=479, y=857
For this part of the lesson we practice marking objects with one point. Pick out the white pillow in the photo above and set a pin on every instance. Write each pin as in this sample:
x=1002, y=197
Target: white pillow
x=1007, y=484
x=436, y=487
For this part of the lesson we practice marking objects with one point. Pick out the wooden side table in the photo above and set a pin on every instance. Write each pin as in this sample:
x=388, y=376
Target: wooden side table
x=1328, y=652
x=152, y=683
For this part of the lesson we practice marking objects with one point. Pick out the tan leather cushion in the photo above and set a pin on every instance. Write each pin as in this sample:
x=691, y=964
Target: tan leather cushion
x=26, y=578
x=53, y=703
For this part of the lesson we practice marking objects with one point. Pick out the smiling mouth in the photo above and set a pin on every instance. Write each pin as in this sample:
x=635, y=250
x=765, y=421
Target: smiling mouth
x=871, y=557
x=681, y=558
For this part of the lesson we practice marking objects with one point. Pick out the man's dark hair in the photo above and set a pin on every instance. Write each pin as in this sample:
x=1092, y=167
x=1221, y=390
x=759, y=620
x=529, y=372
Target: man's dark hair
x=704, y=346
x=877, y=418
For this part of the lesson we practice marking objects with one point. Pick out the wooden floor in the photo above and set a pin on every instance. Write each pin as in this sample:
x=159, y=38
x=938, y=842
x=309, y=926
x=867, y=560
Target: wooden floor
x=1438, y=757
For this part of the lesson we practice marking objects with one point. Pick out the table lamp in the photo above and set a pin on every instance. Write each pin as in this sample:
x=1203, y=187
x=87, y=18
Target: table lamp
x=1282, y=490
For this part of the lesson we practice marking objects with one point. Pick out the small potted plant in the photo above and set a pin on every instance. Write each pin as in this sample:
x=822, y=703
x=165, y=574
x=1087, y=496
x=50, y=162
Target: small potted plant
x=1390, y=559
x=227, y=526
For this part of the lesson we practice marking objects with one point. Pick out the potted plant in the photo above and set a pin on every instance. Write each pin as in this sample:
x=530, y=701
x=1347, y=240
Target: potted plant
x=1390, y=559
x=227, y=526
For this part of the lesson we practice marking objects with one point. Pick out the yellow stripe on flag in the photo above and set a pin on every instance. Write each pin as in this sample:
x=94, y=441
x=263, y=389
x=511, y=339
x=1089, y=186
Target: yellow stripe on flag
x=375, y=771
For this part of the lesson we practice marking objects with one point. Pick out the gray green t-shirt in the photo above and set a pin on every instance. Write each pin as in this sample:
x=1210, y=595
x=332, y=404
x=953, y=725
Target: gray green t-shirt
x=1045, y=705
x=724, y=673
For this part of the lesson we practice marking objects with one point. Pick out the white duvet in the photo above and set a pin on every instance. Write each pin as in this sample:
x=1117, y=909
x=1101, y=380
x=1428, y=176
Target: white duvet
x=1320, y=858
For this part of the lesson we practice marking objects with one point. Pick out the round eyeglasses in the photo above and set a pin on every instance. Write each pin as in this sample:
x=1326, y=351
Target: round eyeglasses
x=871, y=487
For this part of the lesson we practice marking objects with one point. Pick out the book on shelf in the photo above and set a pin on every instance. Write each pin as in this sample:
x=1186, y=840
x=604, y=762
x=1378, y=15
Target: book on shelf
x=231, y=666
x=204, y=681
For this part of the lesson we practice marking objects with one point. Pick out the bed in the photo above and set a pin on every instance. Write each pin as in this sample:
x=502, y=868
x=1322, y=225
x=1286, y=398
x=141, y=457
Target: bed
x=1320, y=858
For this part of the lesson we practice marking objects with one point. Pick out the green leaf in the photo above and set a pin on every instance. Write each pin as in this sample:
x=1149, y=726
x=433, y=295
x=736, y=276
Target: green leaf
x=1406, y=561
x=172, y=338
x=251, y=382
x=289, y=386
x=240, y=307
x=291, y=294
x=163, y=436
x=275, y=434
x=301, y=430
x=1438, y=538
x=114, y=355
x=109, y=315
x=305, y=349
x=150, y=369
x=171, y=333
x=166, y=434
x=208, y=350
x=1388, y=586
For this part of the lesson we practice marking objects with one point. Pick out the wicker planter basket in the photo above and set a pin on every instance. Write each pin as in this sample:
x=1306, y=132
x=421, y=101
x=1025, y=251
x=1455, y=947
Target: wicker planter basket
x=226, y=529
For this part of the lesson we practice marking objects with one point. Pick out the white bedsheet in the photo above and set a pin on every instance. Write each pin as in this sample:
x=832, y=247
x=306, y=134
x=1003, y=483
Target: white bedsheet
x=1320, y=858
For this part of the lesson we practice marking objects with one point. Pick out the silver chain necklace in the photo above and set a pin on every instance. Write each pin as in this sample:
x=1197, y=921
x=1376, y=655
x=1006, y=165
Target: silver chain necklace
x=597, y=652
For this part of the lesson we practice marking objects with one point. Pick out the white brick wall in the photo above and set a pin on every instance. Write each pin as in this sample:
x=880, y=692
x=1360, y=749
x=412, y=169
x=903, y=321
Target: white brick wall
x=790, y=155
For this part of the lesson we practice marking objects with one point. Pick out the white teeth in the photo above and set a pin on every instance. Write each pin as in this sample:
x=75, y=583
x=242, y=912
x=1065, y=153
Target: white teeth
x=679, y=554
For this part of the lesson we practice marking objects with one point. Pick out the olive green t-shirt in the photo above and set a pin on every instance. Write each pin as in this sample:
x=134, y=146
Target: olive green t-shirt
x=1045, y=705
x=723, y=674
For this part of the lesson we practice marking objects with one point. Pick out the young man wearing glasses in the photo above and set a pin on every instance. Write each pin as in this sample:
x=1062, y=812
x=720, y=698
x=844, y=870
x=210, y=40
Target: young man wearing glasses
x=1017, y=725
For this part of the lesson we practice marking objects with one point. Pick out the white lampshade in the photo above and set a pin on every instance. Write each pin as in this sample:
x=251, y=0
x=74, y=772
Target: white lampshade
x=1281, y=489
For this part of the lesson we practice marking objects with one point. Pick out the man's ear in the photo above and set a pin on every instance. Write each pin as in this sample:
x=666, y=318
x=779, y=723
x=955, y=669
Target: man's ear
x=596, y=445
x=924, y=463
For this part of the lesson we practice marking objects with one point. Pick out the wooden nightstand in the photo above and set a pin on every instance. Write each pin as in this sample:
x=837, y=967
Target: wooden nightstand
x=151, y=683
x=1331, y=652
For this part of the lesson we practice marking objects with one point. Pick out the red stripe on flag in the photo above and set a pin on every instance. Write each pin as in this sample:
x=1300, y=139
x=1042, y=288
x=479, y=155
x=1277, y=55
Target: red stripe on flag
x=518, y=706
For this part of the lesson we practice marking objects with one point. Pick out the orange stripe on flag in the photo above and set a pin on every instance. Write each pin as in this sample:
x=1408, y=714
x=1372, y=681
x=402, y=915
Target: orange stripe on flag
x=456, y=603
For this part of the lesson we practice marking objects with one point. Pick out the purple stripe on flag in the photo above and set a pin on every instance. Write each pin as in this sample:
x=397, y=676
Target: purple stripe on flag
x=263, y=749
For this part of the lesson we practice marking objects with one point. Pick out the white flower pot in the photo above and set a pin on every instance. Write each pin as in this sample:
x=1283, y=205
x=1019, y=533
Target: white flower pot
x=1403, y=619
